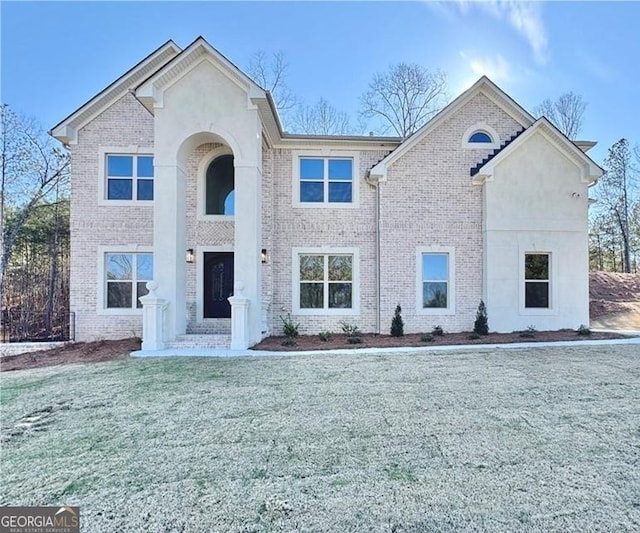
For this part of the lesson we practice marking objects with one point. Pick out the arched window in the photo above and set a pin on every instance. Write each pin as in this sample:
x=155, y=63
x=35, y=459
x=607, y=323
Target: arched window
x=480, y=137
x=220, y=187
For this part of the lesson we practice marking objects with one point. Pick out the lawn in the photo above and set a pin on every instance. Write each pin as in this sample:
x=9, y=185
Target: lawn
x=544, y=439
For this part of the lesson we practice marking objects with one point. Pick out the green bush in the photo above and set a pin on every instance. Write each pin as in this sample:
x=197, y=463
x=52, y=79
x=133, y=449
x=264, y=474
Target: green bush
x=354, y=340
x=474, y=336
x=437, y=331
x=427, y=337
x=397, y=324
x=350, y=329
x=529, y=333
x=289, y=327
x=583, y=331
x=324, y=336
x=481, y=325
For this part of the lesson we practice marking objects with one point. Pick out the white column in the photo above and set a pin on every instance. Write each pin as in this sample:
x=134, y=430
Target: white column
x=169, y=245
x=153, y=319
x=248, y=244
x=240, y=307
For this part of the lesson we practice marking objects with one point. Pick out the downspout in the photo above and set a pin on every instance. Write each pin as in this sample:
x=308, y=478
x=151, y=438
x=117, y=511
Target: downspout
x=376, y=184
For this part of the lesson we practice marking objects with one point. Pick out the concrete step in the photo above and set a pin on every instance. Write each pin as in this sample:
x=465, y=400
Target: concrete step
x=191, y=341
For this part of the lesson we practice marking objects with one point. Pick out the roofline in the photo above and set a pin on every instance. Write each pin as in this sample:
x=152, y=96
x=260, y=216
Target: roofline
x=362, y=138
x=380, y=169
x=486, y=171
x=113, y=84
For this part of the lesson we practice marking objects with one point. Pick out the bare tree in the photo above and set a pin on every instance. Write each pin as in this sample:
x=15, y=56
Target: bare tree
x=618, y=194
x=270, y=72
x=33, y=170
x=566, y=113
x=404, y=98
x=320, y=119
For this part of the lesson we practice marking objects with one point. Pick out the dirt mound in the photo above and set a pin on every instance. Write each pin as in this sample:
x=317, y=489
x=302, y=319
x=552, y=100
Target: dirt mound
x=77, y=352
x=612, y=292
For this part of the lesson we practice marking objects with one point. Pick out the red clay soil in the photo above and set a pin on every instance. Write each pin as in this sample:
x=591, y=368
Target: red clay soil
x=74, y=352
x=313, y=342
x=611, y=292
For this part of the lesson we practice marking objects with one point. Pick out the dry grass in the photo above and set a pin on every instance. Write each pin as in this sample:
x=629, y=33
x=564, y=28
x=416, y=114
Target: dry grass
x=545, y=439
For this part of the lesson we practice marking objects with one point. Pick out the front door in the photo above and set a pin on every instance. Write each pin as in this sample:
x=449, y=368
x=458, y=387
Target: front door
x=218, y=284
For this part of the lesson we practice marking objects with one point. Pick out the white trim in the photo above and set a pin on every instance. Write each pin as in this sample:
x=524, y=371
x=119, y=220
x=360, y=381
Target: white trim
x=199, y=264
x=481, y=126
x=102, y=174
x=201, y=177
x=325, y=153
x=553, y=288
x=101, y=300
x=355, y=282
x=451, y=282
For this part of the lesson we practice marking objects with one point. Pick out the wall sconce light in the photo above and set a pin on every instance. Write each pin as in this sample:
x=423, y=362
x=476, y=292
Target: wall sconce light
x=191, y=257
x=263, y=256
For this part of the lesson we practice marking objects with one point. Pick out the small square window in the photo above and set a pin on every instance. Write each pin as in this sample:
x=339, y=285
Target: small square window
x=326, y=180
x=129, y=175
x=126, y=280
x=326, y=281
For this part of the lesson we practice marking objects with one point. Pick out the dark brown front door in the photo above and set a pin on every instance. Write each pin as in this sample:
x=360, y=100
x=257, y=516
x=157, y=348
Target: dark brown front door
x=218, y=284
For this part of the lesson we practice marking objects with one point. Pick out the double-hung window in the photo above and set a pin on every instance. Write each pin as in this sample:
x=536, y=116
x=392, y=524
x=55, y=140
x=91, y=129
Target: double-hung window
x=326, y=180
x=537, y=280
x=435, y=277
x=129, y=177
x=126, y=275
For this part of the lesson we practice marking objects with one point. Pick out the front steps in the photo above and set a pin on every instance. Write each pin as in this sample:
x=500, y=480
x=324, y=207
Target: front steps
x=200, y=342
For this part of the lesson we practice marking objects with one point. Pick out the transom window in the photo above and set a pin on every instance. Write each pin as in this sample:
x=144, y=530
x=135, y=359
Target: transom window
x=480, y=136
x=326, y=281
x=537, y=280
x=127, y=275
x=326, y=180
x=435, y=281
x=129, y=177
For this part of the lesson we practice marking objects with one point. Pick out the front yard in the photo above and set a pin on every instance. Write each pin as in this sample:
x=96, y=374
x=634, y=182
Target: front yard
x=538, y=439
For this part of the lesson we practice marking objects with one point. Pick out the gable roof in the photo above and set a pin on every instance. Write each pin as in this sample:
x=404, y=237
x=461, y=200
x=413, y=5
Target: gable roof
x=150, y=90
x=66, y=130
x=483, y=86
x=590, y=170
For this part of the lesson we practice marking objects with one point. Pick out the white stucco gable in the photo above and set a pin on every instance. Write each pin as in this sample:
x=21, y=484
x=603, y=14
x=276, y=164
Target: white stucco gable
x=589, y=170
x=483, y=86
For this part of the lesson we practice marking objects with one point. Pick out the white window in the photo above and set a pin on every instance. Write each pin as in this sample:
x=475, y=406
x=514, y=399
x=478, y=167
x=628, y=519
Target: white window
x=129, y=177
x=435, y=280
x=537, y=280
x=325, y=281
x=325, y=180
x=126, y=175
x=126, y=277
x=480, y=137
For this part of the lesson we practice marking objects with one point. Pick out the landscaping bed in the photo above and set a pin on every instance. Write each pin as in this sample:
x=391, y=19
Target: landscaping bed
x=370, y=340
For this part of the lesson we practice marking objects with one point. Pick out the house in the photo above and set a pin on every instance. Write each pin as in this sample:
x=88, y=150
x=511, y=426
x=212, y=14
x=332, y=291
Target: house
x=185, y=184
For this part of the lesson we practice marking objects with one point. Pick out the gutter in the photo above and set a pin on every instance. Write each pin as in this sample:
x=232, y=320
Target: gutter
x=376, y=184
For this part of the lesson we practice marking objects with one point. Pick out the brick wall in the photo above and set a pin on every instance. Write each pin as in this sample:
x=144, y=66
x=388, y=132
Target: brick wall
x=125, y=123
x=429, y=200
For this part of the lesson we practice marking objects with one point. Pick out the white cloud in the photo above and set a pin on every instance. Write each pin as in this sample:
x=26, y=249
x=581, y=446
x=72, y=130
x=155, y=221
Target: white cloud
x=524, y=17
x=497, y=68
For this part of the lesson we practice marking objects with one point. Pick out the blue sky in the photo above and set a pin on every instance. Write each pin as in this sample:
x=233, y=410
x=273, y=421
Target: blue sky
x=57, y=55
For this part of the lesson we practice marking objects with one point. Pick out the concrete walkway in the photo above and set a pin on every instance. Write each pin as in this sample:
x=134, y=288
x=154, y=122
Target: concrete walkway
x=400, y=350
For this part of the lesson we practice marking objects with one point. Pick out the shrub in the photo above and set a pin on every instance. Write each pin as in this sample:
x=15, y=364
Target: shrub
x=397, y=324
x=481, y=325
x=289, y=327
x=475, y=336
x=427, y=337
x=583, y=331
x=529, y=333
x=350, y=329
x=288, y=342
x=437, y=331
x=354, y=340
x=324, y=336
